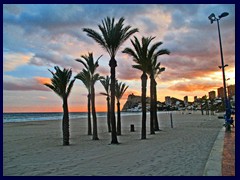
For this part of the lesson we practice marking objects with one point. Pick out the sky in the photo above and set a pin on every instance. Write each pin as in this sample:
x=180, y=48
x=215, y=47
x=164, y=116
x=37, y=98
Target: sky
x=38, y=37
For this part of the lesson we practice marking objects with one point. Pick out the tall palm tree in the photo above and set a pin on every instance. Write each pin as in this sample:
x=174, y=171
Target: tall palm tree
x=112, y=36
x=155, y=118
x=154, y=71
x=85, y=77
x=90, y=67
x=62, y=84
x=106, y=84
x=120, y=90
x=141, y=55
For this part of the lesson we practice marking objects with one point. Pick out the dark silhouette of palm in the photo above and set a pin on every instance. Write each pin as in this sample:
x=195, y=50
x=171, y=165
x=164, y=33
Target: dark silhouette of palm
x=112, y=36
x=120, y=90
x=156, y=70
x=143, y=57
x=85, y=77
x=90, y=69
x=106, y=84
x=153, y=72
x=62, y=84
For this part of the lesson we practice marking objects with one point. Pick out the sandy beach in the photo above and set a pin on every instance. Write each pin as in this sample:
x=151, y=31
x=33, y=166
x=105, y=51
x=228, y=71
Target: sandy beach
x=35, y=148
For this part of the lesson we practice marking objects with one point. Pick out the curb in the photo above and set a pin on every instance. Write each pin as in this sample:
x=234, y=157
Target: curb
x=213, y=166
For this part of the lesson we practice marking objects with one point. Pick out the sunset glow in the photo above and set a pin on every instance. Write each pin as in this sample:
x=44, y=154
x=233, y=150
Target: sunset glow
x=53, y=36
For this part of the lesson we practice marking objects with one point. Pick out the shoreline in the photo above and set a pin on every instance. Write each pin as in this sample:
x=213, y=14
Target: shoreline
x=80, y=116
x=34, y=148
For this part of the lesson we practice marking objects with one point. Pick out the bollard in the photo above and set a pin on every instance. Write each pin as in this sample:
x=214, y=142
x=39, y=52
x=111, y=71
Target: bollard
x=132, y=128
x=171, y=120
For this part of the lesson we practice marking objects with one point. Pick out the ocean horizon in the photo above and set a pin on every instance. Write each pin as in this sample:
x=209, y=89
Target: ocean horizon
x=47, y=116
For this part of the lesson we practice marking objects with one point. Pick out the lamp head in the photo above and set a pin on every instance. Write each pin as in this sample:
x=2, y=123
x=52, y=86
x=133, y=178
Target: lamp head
x=212, y=18
x=223, y=15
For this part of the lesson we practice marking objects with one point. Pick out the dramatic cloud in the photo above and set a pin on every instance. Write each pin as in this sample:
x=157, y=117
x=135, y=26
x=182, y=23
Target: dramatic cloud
x=13, y=60
x=25, y=84
x=195, y=86
x=37, y=37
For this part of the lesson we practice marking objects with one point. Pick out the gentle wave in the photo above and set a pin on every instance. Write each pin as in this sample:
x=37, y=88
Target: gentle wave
x=23, y=117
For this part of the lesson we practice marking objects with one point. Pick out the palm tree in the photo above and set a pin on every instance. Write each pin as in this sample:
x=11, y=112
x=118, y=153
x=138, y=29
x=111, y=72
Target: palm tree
x=120, y=90
x=155, y=118
x=62, y=85
x=141, y=55
x=90, y=67
x=112, y=36
x=154, y=71
x=106, y=84
x=85, y=77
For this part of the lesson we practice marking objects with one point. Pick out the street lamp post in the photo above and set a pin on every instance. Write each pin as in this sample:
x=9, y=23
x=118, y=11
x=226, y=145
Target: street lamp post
x=213, y=18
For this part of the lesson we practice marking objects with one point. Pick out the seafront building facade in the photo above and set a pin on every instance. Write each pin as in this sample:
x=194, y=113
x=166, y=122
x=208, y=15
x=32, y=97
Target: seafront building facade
x=212, y=95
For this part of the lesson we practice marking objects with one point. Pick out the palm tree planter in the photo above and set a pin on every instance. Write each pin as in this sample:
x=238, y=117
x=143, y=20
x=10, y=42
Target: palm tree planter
x=91, y=66
x=106, y=84
x=120, y=90
x=62, y=85
x=111, y=38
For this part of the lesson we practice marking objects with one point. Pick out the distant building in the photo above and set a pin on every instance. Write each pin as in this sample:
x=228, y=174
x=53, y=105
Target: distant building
x=195, y=98
x=231, y=90
x=186, y=100
x=168, y=100
x=220, y=92
x=212, y=95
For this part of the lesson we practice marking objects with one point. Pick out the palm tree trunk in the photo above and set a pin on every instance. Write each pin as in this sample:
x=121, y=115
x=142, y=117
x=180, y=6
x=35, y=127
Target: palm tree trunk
x=144, y=110
x=152, y=105
x=108, y=115
x=65, y=122
x=113, y=65
x=118, y=119
x=156, y=125
x=95, y=134
x=89, y=115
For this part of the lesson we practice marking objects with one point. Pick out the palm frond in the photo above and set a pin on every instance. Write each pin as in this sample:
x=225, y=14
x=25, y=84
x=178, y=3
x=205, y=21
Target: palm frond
x=96, y=36
x=112, y=35
x=85, y=77
x=106, y=84
x=60, y=81
x=105, y=94
x=70, y=87
x=120, y=89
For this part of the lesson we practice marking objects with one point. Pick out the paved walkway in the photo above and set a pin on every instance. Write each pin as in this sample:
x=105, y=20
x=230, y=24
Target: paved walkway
x=221, y=161
x=228, y=160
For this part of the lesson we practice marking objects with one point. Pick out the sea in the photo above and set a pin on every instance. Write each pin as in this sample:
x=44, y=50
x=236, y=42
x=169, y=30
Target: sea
x=24, y=117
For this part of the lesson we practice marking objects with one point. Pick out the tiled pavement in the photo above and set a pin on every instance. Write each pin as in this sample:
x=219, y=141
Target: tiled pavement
x=228, y=159
x=221, y=161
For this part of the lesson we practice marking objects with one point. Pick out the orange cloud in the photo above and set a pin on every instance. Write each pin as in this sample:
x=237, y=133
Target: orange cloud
x=194, y=86
x=43, y=80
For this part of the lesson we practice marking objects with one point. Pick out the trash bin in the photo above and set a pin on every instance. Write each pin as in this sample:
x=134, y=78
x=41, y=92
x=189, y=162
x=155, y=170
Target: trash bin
x=132, y=128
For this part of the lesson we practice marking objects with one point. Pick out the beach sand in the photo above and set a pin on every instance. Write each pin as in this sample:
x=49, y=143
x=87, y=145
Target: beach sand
x=35, y=148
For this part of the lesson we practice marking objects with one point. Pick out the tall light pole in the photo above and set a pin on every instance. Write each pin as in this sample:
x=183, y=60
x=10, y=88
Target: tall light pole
x=213, y=18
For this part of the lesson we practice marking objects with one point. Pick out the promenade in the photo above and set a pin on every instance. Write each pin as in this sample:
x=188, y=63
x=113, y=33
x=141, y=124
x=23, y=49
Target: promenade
x=228, y=161
x=221, y=161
